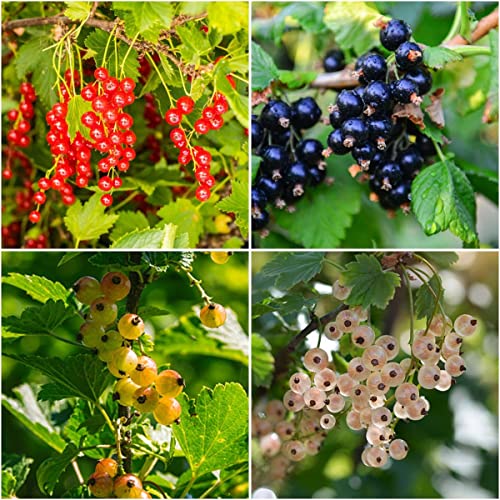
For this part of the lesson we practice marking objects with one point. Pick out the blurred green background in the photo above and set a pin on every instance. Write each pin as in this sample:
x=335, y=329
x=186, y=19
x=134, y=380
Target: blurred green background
x=302, y=48
x=454, y=450
x=227, y=284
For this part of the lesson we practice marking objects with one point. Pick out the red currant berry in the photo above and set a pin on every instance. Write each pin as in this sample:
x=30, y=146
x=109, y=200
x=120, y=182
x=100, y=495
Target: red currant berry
x=231, y=81
x=97, y=133
x=185, y=104
x=34, y=216
x=110, y=116
x=202, y=193
x=173, y=116
x=209, y=113
x=110, y=84
x=23, y=141
x=210, y=181
x=122, y=165
x=13, y=136
x=44, y=183
x=12, y=115
x=119, y=100
x=178, y=137
x=129, y=154
x=89, y=93
x=26, y=88
x=23, y=126
x=101, y=74
x=107, y=200
x=127, y=85
x=104, y=145
x=105, y=183
x=56, y=182
x=83, y=155
x=89, y=119
x=69, y=199
x=7, y=174
x=115, y=137
x=117, y=183
x=220, y=104
x=81, y=181
x=60, y=109
x=125, y=120
x=100, y=104
x=216, y=122
x=129, y=138
x=201, y=126
x=202, y=174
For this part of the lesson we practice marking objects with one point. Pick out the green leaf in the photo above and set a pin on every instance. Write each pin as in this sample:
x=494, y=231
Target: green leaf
x=237, y=203
x=371, y=285
x=492, y=114
x=127, y=222
x=51, y=469
x=289, y=303
x=295, y=79
x=80, y=376
x=88, y=221
x=264, y=71
x=15, y=470
x=441, y=259
x=183, y=214
x=37, y=320
x=262, y=361
x=26, y=409
x=146, y=238
x=424, y=299
x=146, y=18
x=483, y=181
x=237, y=102
x=352, y=24
x=318, y=222
x=437, y=57
x=443, y=198
x=194, y=43
x=76, y=107
x=37, y=287
x=68, y=257
x=78, y=11
x=215, y=437
x=228, y=17
x=150, y=311
x=288, y=268
x=432, y=130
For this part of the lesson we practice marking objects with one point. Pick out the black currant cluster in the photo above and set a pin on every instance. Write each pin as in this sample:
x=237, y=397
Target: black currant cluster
x=290, y=163
x=390, y=150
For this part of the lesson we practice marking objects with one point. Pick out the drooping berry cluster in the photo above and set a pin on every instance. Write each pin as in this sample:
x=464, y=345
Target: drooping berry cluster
x=20, y=118
x=210, y=119
x=109, y=131
x=139, y=385
x=373, y=390
x=289, y=163
x=107, y=482
x=390, y=149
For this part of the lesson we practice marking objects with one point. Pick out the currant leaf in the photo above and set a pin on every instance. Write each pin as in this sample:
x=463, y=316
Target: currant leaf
x=237, y=203
x=38, y=287
x=264, y=71
x=262, y=361
x=425, y=300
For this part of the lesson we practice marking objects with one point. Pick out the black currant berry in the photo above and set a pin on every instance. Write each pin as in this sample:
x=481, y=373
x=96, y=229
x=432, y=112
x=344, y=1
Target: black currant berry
x=422, y=78
x=394, y=34
x=335, y=142
x=334, y=61
x=377, y=97
x=257, y=133
x=275, y=159
x=309, y=151
x=276, y=115
x=379, y=130
x=389, y=175
x=373, y=67
x=396, y=197
x=281, y=137
x=410, y=160
x=354, y=131
x=336, y=118
x=260, y=220
x=426, y=146
x=295, y=177
x=408, y=55
x=363, y=154
x=316, y=175
x=405, y=91
x=271, y=189
x=305, y=113
x=259, y=199
x=378, y=158
x=349, y=104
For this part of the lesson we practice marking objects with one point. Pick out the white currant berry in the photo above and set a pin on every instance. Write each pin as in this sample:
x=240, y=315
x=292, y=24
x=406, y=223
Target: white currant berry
x=285, y=430
x=376, y=385
x=340, y=291
x=314, y=398
x=405, y=364
x=423, y=347
x=359, y=397
x=294, y=450
x=270, y=444
x=365, y=417
x=453, y=340
x=325, y=379
x=398, y=449
x=447, y=352
x=378, y=435
x=336, y=403
x=362, y=336
x=434, y=358
x=327, y=421
x=440, y=325
x=315, y=359
x=300, y=382
x=376, y=457
x=353, y=421
x=261, y=426
x=393, y=374
x=331, y=331
x=381, y=417
x=390, y=344
x=361, y=313
x=428, y=376
x=399, y=411
x=445, y=381
x=275, y=411
x=312, y=445
x=347, y=321
x=345, y=384
x=357, y=369
x=465, y=325
x=374, y=357
x=407, y=393
x=455, y=365
x=418, y=409
x=376, y=401
x=309, y=426
x=293, y=401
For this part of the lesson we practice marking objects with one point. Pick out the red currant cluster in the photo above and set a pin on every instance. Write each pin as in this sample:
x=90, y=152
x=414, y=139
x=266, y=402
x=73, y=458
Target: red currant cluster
x=211, y=119
x=11, y=235
x=21, y=117
x=106, y=482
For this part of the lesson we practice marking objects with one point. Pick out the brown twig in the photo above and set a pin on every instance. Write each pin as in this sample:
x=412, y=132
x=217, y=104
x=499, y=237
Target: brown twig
x=283, y=358
x=484, y=26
